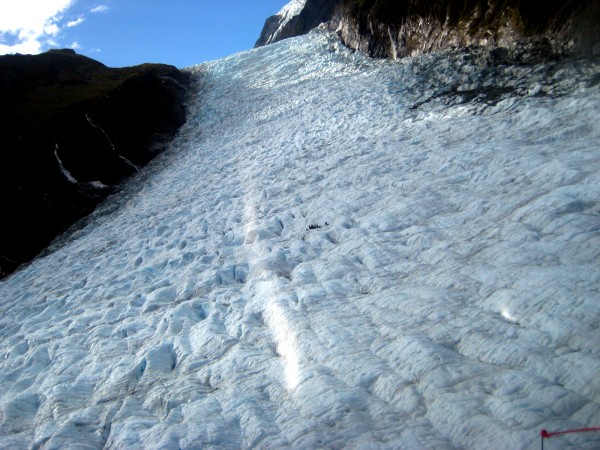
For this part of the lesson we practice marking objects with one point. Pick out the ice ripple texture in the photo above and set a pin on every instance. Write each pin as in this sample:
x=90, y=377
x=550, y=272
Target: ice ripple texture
x=446, y=296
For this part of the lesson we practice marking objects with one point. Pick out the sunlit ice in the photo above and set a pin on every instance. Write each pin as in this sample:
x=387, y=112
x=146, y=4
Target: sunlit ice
x=283, y=332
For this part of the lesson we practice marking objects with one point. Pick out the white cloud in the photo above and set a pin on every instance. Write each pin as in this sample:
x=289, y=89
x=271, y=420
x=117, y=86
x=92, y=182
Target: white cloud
x=30, y=24
x=99, y=9
x=74, y=23
x=51, y=29
x=75, y=45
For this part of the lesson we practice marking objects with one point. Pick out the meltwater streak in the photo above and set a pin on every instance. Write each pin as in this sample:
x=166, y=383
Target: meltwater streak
x=447, y=300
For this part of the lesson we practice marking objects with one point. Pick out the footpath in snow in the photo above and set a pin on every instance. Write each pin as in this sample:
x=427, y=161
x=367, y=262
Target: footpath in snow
x=445, y=296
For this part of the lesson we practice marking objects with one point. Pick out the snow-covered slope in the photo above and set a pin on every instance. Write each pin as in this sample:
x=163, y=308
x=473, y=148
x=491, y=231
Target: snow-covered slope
x=275, y=28
x=291, y=9
x=447, y=299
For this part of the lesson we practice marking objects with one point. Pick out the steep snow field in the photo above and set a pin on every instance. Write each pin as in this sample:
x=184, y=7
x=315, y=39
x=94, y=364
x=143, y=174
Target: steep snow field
x=446, y=296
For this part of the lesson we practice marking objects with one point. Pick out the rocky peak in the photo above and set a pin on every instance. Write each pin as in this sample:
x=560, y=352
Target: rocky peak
x=296, y=18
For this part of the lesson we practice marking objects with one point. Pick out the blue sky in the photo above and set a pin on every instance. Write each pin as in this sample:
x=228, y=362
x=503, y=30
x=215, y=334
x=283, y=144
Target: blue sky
x=128, y=32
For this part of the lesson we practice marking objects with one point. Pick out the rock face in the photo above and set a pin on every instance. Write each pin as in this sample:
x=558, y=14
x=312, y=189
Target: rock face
x=398, y=28
x=295, y=19
x=72, y=130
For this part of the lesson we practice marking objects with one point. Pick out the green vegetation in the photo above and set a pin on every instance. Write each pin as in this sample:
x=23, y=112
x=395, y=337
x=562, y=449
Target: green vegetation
x=67, y=78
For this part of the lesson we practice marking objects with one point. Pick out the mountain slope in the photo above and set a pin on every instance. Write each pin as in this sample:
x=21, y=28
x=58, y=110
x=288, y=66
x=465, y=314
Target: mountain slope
x=394, y=28
x=72, y=130
x=335, y=252
x=295, y=19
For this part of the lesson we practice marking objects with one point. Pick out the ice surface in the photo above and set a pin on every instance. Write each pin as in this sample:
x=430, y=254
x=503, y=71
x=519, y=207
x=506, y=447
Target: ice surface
x=448, y=298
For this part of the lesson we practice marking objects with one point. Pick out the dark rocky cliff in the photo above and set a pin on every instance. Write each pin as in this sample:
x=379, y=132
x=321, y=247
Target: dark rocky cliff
x=72, y=130
x=312, y=15
x=393, y=29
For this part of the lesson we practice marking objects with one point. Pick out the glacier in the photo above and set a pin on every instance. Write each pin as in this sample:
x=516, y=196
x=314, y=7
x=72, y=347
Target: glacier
x=335, y=252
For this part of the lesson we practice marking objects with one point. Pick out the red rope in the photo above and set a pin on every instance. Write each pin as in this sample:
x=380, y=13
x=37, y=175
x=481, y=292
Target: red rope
x=547, y=434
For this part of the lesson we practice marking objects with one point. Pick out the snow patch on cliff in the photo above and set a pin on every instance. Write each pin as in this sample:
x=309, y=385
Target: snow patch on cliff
x=292, y=9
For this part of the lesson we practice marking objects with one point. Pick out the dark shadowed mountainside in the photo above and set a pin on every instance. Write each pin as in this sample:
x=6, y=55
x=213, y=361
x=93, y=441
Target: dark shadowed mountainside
x=73, y=130
x=394, y=29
